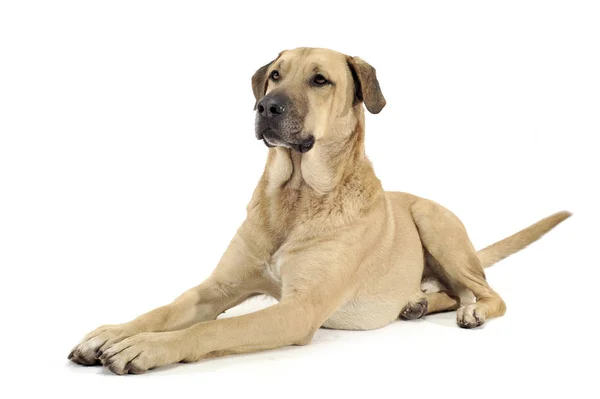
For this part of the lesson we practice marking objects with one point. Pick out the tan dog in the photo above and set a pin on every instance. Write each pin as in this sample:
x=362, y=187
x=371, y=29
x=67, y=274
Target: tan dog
x=321, y=236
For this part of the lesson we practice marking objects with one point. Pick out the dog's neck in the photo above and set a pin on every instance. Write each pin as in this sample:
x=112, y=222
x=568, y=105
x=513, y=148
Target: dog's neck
x=333, y=181
x=333, y=161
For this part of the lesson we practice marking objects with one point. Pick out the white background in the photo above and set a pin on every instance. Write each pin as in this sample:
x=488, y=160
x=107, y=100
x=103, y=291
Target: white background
x=127, y=157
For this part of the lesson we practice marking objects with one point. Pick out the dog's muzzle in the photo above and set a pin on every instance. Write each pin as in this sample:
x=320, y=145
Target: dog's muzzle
x=277, y=125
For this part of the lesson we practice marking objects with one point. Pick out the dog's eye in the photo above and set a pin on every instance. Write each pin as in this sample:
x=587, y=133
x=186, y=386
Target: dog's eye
x=319, y=80
x=275, y=75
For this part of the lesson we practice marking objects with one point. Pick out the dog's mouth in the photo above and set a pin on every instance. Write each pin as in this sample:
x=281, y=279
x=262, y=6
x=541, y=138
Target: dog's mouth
x=272, y=139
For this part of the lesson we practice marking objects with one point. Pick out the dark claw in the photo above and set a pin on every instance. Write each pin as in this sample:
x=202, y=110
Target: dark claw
x=136, y=370
x=76, y=357
x=106, y=355
x=130, y=365
x=463, y=324
x=414, y=311
x=114, y=369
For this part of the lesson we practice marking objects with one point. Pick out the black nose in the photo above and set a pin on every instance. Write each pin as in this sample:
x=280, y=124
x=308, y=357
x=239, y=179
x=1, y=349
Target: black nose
x=272, y=106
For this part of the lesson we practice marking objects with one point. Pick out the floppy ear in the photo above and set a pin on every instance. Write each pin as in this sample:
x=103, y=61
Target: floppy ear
x=366, y=85
x=259, y=82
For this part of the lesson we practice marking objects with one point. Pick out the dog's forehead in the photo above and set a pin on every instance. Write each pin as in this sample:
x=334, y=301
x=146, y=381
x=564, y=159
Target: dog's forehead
x=316, y=59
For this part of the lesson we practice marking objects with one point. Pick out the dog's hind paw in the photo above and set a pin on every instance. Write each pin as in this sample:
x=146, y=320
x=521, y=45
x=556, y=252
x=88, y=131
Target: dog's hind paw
x=469, y=316
x=414, y=310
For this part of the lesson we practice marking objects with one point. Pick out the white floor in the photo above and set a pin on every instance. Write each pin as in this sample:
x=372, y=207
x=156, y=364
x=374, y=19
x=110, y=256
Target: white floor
x=128, y=156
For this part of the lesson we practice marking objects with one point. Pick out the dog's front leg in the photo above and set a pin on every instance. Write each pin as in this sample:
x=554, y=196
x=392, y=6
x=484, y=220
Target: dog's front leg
x=204, y=302
x=237, y=277
x=286, y=323
x=313, y=287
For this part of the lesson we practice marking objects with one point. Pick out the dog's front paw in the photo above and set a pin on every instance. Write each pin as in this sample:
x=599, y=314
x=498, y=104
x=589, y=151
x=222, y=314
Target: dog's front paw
x=142, y=352
x=87, y=352
x=469, y=316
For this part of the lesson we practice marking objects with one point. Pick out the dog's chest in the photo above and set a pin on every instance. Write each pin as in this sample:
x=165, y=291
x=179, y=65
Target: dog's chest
x=272, y=269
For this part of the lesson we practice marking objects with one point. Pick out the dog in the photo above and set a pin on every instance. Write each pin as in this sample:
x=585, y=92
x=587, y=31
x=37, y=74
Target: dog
x=321, y=236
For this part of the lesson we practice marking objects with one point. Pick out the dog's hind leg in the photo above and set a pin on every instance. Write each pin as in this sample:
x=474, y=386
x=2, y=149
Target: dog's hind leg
x=446, y=239
x=439, y=295
x=441, y=302
x=435, y=299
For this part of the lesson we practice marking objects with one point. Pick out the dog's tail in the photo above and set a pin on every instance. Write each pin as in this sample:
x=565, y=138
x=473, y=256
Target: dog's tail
x=504, y=248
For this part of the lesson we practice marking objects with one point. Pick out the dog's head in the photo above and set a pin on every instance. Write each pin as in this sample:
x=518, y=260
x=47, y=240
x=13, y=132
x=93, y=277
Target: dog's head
x=305, y=94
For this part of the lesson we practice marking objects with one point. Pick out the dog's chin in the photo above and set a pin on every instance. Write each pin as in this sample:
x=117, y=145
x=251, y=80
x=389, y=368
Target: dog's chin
x=268, y=144
x=272, y=140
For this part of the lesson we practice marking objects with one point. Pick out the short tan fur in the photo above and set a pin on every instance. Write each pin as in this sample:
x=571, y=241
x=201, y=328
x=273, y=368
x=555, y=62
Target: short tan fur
x=321, y=236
